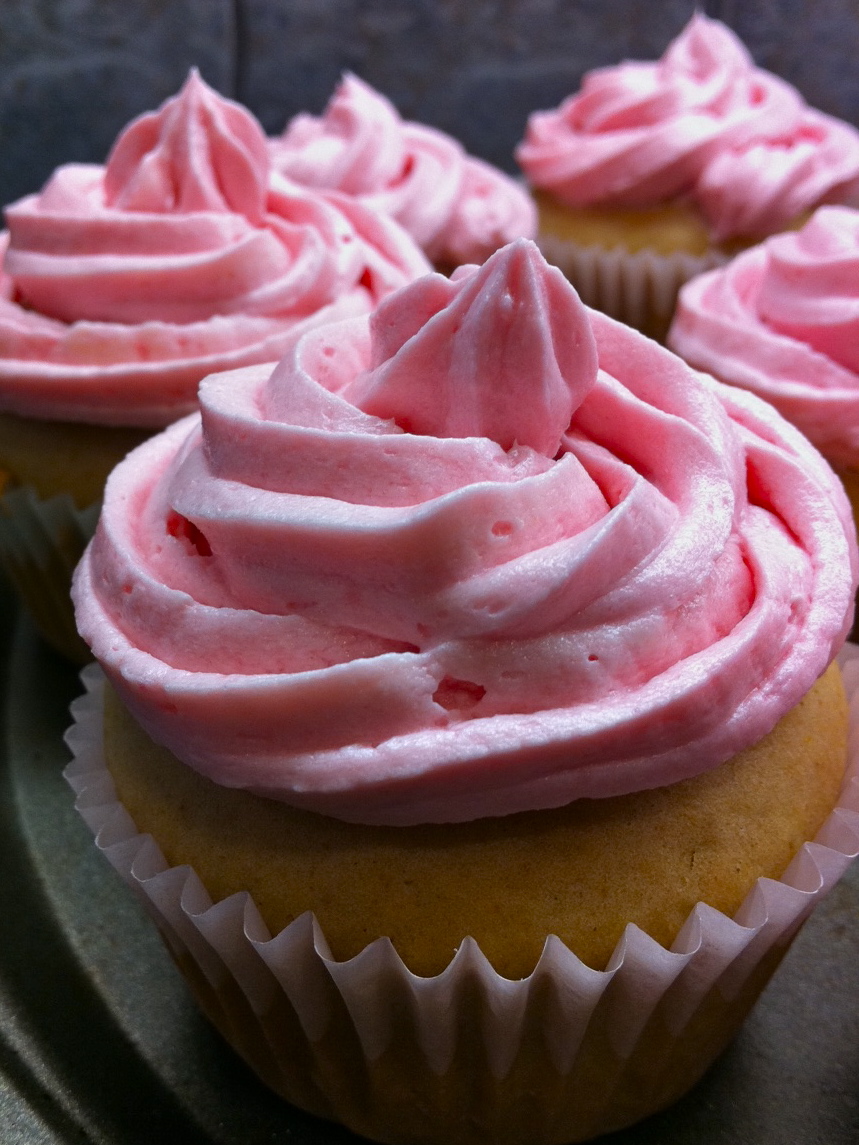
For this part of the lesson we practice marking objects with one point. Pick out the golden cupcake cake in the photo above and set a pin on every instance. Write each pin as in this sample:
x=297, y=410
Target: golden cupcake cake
x=123, y=285
x=654, y=172
x=467, y=704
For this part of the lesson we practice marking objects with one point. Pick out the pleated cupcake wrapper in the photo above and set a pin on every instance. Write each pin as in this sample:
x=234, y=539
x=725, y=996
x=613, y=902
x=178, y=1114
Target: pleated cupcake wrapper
x=41, y=542
x=467, y=1055
x=639, y=288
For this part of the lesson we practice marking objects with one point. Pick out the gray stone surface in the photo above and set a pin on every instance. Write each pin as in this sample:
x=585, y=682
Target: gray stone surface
x=73, y=72
x=474, y=68
x=813, y=43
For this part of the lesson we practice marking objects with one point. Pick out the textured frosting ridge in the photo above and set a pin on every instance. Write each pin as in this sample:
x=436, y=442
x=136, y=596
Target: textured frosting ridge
x=782, y=320
x=456, y=207
x=124, y=285
x=702, y=122
x=343, y=587
x=199, y=152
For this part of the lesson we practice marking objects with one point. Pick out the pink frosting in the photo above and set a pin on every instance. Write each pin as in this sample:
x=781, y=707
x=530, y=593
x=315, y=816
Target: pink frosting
x=782, y=320
x=701, y=122
x=485, y=552
x=124, y=285
x=456, y=207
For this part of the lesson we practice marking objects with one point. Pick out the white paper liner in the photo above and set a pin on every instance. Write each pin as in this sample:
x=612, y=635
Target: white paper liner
x=468, y=1056
x=41, y=542
x=639, y=288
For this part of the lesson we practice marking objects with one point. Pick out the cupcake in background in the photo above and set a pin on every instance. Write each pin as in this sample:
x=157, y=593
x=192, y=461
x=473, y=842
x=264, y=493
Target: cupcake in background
x=458, y=208
x=124, y=285
x=782, y=321
x=654, y=172
x=489, y=648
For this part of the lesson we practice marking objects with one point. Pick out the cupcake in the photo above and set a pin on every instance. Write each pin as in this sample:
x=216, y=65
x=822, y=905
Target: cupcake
x=456, y=207
x=654, y=172
x=780, y=320
x=470, y=700
x=123, y=285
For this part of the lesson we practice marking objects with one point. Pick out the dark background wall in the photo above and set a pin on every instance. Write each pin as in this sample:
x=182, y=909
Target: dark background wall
x=73, y=72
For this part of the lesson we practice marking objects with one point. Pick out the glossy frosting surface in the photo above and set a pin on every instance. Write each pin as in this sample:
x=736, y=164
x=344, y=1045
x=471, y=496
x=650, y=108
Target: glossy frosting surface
x=456, y=207
x=782, y=320
x=486, y=551
x=701, y=122
x=124, y=285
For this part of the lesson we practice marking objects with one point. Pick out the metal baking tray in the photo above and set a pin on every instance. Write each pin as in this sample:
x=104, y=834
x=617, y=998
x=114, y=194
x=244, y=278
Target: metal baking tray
x=99, y=1041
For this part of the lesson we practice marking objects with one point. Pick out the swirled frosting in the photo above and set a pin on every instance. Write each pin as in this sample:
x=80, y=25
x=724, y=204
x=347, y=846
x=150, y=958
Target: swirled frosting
x=702, y=122
x=124, y=285
x=485, y=552
x=782, y=320
x=456, y=207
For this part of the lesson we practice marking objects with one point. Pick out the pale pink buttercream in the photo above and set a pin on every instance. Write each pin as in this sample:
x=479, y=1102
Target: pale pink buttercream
x=782, y=320
x=124, y=285
x=343, y=588
x=456, y=207
x=702, y=122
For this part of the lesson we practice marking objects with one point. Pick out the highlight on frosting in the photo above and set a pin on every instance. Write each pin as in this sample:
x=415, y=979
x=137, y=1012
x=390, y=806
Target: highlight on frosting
x=458, y=208
x=484, y=551
x=702, y=122
x=124, y=284
x=782, y=320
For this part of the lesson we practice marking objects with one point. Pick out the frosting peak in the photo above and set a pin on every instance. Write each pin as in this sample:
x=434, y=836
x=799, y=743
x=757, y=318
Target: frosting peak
x=356, y=146
x=125, y=285
x=456, y=207
x=503, y=352
x=198, y=152
x=703, y=122
x=704, y=50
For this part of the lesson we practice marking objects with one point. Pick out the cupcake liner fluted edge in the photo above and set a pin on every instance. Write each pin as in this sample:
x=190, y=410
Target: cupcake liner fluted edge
x=467, y=1056
x=639, y=288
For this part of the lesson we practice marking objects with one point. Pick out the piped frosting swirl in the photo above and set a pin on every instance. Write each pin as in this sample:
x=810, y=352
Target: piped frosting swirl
x=124, y=285
x=458, y=208
x=342, y=587
x=782, y=320
x=702, y=122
